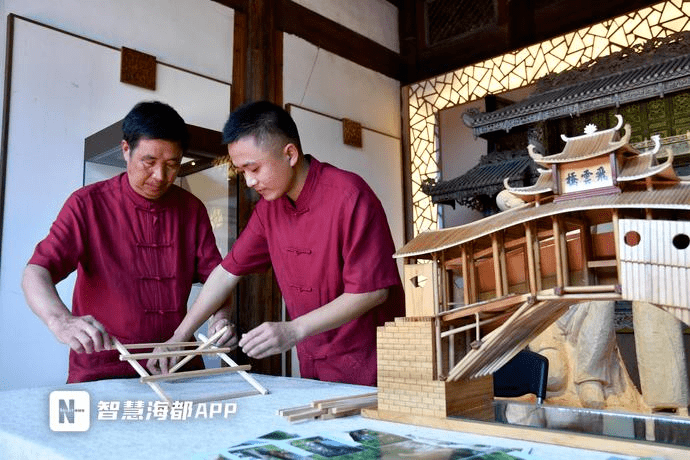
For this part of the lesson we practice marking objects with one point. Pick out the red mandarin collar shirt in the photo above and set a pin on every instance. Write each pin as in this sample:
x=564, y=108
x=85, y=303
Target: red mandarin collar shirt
x=136, y=261
x=334, y=239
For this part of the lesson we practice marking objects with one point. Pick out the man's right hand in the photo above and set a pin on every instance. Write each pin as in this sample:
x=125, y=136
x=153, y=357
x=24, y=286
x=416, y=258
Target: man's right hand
x=83, y=334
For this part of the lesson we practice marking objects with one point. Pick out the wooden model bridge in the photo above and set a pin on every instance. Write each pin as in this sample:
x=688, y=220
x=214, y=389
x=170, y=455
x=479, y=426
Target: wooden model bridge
x=602, y=222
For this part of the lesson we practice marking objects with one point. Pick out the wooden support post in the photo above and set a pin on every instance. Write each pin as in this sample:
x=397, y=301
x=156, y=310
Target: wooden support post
x=465, y=276
x=565, y=261
x=537, y=256
x=587, y=252
x=504, y=263
x=616, y=237
x=557, y=252
x=498, y=279
x=437, y=322
x=529, y=251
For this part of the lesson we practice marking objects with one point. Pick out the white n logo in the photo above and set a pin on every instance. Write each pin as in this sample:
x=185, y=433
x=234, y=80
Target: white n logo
x=66, y=411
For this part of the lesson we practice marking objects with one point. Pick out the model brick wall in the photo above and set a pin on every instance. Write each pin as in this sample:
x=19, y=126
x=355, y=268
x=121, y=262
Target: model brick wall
x=407, y=380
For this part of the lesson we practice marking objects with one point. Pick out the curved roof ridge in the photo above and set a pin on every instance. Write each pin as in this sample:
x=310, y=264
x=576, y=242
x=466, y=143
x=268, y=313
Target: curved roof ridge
x=591, y=146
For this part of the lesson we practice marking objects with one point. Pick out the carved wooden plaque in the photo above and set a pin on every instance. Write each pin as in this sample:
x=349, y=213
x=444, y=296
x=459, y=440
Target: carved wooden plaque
x=138, y=69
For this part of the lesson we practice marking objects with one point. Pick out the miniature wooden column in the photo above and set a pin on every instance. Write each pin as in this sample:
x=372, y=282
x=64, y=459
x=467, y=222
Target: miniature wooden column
x=586, y=247
x=438, y=296
x=529, y=251
x=498, y=270
x=558, y=253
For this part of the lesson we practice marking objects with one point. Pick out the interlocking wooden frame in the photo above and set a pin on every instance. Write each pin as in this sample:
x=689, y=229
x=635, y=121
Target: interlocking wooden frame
x=203, y=345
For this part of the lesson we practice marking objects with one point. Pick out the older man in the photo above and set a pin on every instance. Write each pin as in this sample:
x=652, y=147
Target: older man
x=138, y=243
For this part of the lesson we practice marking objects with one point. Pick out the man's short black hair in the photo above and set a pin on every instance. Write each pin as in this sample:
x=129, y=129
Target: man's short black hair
x=154, y=120
x=264, y=120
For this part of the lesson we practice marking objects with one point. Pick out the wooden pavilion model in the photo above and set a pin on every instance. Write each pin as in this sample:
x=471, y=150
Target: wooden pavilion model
x=602, y=222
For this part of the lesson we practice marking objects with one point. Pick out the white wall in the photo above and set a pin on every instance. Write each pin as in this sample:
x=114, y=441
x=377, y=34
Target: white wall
x=460, y=152
x=65, y=89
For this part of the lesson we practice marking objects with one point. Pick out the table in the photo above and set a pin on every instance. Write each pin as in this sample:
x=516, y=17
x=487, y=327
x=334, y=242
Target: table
x=25, y=431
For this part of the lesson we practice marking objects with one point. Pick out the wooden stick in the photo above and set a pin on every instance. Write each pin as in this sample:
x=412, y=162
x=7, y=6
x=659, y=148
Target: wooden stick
x=529, y=250
x=252, y=381
x=472, y=326
x=294, y=410
x=134, y=346
x=142, y=372
x=203, y=346
x=313, y=412
x=187, y=374
x=353, y=406
x=326, y=403
x=167, y=354
x=344, y=413
x=595, y=288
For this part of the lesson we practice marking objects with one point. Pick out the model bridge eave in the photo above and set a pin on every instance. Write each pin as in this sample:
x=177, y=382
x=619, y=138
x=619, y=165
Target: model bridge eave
x=428, y=243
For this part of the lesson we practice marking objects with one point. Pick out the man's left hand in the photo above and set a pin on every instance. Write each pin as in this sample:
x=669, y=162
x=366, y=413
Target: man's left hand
x=229, y=338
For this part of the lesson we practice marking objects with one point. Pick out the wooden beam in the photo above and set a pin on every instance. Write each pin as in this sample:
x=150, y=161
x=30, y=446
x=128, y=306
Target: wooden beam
x=257, y=75
x=237, y=5
x=338, y=39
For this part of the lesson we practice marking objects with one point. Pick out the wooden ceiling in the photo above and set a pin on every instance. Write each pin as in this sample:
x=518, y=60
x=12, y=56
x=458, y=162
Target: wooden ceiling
x=439, y=36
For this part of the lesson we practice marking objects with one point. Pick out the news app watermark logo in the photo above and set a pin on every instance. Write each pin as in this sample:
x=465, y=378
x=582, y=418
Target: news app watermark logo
x=70, y=410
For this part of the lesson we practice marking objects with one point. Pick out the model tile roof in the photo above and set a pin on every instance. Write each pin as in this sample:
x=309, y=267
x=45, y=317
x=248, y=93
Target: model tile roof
x=660, y=67
x=482, y=179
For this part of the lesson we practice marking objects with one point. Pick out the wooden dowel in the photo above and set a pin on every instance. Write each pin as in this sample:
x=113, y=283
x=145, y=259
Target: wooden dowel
x=168, y=354
x=201, y=372
x=203, y=346
x=134, y=346
x=599, y=288
x=581, y=296
x=251, y=380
